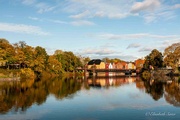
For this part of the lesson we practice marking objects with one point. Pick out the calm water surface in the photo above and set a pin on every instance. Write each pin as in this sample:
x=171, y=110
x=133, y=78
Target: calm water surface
x=115, y=98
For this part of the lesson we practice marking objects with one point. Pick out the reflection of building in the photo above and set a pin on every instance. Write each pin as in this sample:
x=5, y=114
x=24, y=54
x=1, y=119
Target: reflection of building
x=110, y=81
x=140, y=85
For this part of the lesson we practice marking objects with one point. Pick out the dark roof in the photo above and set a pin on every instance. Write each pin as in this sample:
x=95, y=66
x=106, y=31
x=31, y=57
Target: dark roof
x=94, y=61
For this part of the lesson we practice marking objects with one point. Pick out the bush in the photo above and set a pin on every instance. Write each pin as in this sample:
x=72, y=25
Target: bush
x=27, y=73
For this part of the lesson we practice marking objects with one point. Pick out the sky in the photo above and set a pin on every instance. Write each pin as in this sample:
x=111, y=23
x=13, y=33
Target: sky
x=124, y=29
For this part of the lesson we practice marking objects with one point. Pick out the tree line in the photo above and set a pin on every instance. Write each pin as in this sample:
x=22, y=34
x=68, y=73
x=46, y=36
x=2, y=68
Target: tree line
x=37, y=58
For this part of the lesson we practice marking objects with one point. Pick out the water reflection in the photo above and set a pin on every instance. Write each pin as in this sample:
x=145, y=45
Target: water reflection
x=18, y=97
x=172, y=93
x=106, y=82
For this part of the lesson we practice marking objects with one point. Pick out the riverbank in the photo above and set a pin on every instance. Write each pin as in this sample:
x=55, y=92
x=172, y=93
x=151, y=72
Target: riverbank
x=16, y=74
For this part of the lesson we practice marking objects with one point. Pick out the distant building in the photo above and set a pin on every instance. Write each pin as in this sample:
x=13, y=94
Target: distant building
x=110, y=66
x=121, y=65
x=97, y=63
x=106, y=65
x=139, y=63
x=131, y=65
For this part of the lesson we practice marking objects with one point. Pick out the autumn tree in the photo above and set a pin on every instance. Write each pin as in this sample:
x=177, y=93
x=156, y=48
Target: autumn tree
x=19, y=53
x=172, y=94
x=108, y=60
x=7, y=51
x=54, y=65
x=68, y=60
x=172, y=55
x=39, y=59
x=154, y=59
x=85, y=60
x=29, y=55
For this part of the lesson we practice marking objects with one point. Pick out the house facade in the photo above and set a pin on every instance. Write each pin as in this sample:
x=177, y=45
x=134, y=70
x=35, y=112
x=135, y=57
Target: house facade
x=139, y=63
x=121, y=65
x=96, y=63
x=131, y=65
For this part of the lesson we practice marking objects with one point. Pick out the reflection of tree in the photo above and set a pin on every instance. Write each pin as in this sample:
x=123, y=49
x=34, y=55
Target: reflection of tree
x=155, y=89
x=64, y=87
x=172, y=93
x=20, y=96
x=140, y=85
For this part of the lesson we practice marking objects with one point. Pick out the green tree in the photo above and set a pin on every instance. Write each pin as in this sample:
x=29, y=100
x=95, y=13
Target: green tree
x=86, y=60
x=154, y=59
x=69, y=61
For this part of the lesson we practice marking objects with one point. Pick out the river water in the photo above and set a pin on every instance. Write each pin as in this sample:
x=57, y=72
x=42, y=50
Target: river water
x=95, y=98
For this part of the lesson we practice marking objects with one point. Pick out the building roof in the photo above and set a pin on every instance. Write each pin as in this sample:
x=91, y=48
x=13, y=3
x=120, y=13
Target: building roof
x=94, y=61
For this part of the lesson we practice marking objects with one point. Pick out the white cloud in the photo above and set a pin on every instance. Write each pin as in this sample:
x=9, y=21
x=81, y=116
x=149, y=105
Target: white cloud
x=164, y=44
x=21, y=28
x=102, y=52
x=97, y=51
x=43, y=7
x=111, y=56
x=133, y=45
x=40, y=6
x=58, y=21
x=75, y=23
x=176, y=6
x=149, y=10
x=146, y=5
x=82, y=23
x=159, y=15
x=99, y=8
x=81, y=15
x=135, y=36
x=35, y=18
x=159, y=45
x=146, y=49
x=28, y=2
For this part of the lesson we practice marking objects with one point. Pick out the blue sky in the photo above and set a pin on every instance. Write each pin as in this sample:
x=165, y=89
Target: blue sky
x=125, y=29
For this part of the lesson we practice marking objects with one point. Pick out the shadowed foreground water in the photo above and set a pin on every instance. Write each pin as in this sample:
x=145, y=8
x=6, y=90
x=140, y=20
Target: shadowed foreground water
x=126, y=98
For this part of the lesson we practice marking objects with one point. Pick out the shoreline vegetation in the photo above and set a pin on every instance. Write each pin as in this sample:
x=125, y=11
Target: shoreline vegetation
x=20, y=60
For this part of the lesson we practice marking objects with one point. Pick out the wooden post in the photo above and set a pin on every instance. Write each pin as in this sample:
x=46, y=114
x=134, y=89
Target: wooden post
x=85, y=70
x=94, y=71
